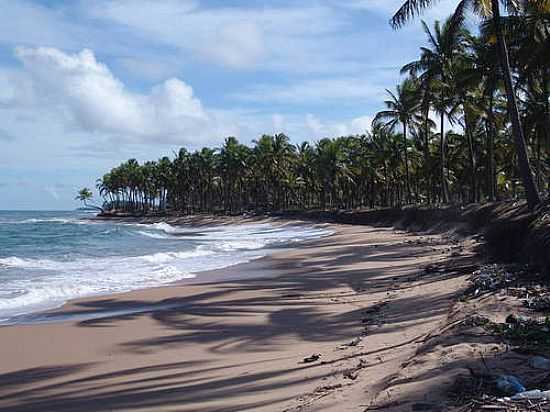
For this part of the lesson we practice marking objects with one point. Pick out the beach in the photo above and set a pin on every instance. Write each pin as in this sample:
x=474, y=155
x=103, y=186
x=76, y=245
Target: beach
x=323, y=325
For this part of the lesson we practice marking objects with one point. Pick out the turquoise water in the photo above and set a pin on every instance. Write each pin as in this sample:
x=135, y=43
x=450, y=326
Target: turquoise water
x=47, y=258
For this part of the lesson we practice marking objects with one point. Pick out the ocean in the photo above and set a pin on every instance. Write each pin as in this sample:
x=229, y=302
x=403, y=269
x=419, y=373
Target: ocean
x=47, y=258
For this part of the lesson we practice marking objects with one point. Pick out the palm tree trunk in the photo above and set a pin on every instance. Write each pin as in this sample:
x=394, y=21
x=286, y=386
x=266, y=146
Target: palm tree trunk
x=492, y=131
x=406, y=162
x=491, y=186
x=546, y=122
x=533, y=198
x=444, y=192
x=427, y=151
x=471, y=153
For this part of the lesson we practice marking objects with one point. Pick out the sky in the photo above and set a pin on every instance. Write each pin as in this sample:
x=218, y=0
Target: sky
x=85, y=85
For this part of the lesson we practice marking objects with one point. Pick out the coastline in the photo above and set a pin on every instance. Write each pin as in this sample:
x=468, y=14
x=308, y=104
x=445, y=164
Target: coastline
x=51, y=312
x=238, y=344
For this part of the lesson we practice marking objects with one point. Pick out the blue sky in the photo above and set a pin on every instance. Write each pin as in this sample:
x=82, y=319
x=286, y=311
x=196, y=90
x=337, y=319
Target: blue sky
x=85, y=85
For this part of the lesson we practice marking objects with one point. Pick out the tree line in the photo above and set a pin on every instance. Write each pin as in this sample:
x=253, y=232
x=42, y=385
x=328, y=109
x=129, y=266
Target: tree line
x=491, y=86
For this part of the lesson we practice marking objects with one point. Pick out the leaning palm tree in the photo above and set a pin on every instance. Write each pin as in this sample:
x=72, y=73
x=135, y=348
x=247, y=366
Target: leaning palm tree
x=403, y=107
x=490, y=9
x=85, y=195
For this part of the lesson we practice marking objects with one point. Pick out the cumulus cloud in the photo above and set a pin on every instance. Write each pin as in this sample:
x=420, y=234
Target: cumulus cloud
x=89, y=96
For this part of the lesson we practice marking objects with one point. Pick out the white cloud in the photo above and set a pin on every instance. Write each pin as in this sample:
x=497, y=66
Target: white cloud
x=147, y=68
x=361, y=124
x=279, y=122
x=319, y=129
x=88, y=96
x=316, y=91
x=235, y=37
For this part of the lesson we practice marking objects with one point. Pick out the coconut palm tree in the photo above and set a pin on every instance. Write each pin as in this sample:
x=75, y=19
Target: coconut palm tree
x=85, y=195
x=435, y=70
x=402, y=108
x=490, y=9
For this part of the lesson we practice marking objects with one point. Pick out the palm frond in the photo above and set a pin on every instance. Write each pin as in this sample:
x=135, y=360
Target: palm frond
x=408, y=10
x=456, y=22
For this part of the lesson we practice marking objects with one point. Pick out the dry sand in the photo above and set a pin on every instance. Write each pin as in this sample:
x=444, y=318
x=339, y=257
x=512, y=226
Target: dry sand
x=360, y=298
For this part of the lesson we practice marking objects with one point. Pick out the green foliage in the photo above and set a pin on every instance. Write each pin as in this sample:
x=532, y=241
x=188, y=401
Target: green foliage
x=84, y=195
x=403, y=160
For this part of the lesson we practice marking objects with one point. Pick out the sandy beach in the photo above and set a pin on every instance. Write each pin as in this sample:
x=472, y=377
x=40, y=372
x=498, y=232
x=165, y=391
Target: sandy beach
x=361, y=299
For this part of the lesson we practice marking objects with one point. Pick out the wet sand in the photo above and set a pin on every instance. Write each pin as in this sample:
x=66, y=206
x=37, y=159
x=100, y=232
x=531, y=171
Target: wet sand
x=360, y=299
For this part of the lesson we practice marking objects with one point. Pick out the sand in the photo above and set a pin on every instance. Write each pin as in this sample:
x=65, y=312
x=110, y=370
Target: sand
x=360, y=299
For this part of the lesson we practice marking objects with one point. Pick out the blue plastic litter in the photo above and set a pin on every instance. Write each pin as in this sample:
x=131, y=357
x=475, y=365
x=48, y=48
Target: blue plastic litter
x=509, y=385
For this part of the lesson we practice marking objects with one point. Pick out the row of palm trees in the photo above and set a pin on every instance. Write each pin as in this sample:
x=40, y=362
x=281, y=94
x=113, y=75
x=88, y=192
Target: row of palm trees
x=460, y=66
x=491, y=87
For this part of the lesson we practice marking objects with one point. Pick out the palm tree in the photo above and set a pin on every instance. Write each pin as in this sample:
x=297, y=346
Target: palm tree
x=85, y=195
x=402, y=108
x=482, y=74
x=435, y=69
x=487, y=9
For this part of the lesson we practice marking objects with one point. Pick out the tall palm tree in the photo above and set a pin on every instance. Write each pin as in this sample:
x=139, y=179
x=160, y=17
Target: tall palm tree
x=489, y=9
x=482, y=74
x=403, y=108
x=435, y=69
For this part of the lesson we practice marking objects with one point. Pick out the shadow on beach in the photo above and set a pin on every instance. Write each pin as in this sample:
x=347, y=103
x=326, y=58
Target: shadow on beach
x=246, y=329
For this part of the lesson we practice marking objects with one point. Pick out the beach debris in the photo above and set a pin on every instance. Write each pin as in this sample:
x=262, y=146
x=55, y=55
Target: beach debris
x=519, y=330
x=489, y=278
x=354, y=342
x=534, y=394
x=501, y=393
x=313, y=358
x=327, y=388
x=513, y=319
x=536, y=298
x=509, y=384
x=351, y=375
x=539, y=303
x=539, y=362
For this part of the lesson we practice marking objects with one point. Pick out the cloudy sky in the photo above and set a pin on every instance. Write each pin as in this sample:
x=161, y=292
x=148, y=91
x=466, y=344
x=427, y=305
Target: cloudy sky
x=87, y=84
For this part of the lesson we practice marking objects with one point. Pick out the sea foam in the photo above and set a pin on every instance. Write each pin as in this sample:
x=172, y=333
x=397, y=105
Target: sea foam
x=74, y=261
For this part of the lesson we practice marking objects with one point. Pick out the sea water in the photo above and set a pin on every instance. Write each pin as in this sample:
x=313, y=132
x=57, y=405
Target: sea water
x=47, y=258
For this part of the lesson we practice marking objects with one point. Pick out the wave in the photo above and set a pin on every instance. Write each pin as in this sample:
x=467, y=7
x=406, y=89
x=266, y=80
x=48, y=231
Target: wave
x=41, y=282
x=49, y=283
x=79, y=265
x=153, y=235
x=59, y=220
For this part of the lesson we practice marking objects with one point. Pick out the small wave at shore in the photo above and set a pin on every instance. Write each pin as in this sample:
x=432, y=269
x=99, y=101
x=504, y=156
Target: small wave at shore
x=52, y=261
x=35, y=221
x=153, y=235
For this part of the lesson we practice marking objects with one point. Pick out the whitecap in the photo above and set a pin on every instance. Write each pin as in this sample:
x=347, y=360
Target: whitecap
x=43, y=282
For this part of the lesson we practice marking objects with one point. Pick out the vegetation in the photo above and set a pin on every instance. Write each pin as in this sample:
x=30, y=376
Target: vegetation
x=491, y=86
x=85, y=195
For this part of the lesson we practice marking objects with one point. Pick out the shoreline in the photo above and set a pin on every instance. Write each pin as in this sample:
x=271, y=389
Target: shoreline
x=357, y=298
x=55, y=313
